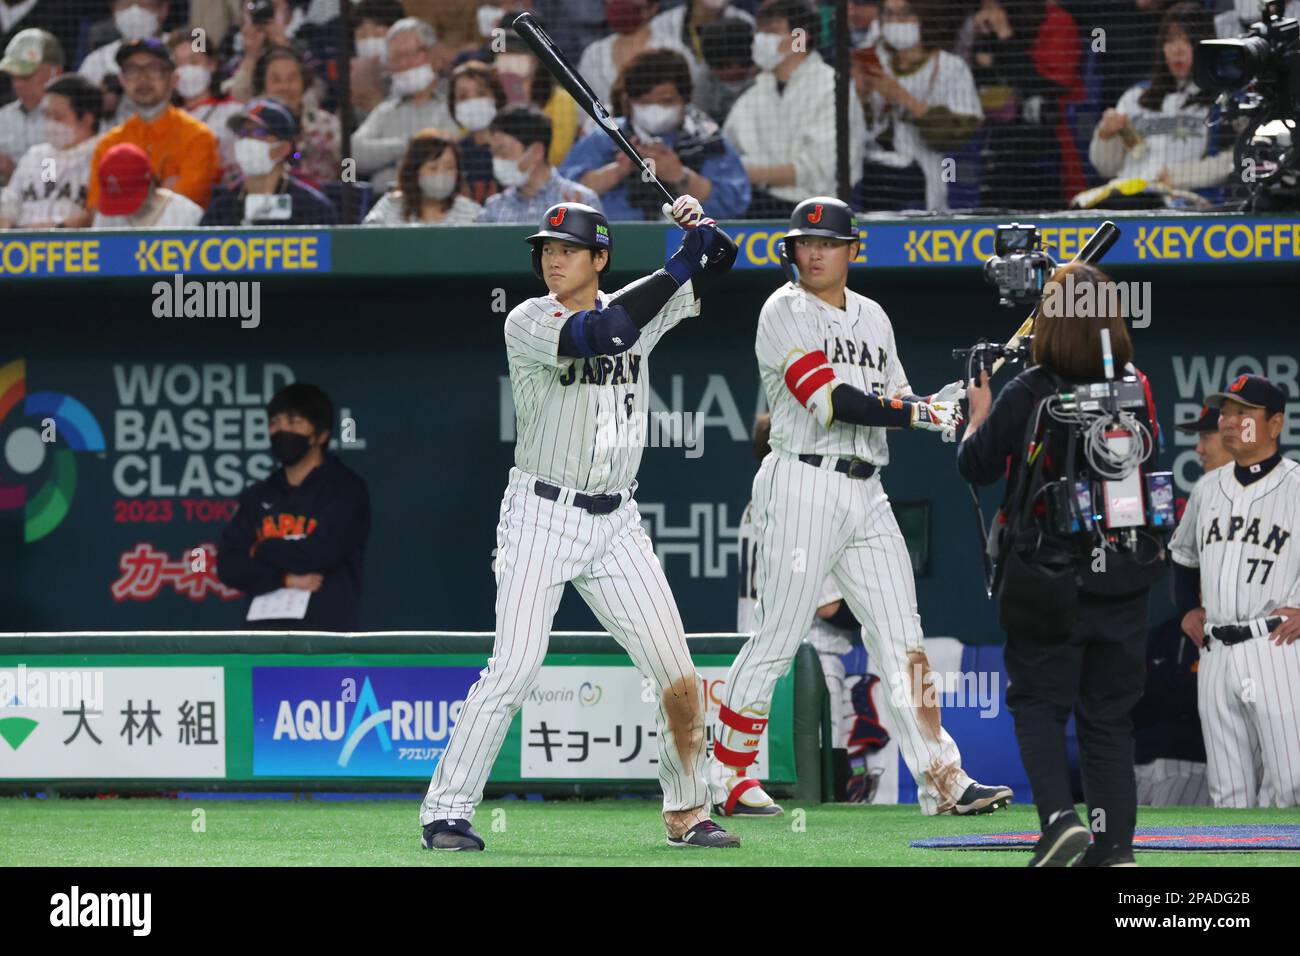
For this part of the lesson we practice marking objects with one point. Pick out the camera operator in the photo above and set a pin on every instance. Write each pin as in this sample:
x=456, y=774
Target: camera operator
x=1075, y=612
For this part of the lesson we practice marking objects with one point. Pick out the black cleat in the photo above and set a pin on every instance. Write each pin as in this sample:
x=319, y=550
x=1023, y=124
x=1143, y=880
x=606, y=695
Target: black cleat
x=450, y=835
x=978, y=798
x=706, y=833
x=1094, y=857
x=1061, y=842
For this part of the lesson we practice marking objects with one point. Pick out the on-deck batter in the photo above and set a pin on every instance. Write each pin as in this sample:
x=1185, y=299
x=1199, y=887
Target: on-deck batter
x=579, y=374
x=834, y=383
x=1238, y=530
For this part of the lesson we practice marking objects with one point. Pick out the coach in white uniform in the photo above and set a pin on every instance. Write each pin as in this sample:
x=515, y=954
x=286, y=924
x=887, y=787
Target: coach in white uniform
x=1239, y=530
x=579, y=374
x=829, y=367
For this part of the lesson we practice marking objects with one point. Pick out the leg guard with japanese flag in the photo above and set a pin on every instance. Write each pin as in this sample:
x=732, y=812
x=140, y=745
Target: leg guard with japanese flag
x=735, y=748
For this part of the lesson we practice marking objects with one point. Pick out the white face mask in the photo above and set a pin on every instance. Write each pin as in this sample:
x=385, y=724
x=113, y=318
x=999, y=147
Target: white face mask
x=766, y=51
x=902, y=36
x=476, y=114
x=657, y=119
x=192, y=80
x=373, y=48
x=413, y=80
x=437, y=185
x=135, y=22
x=508, y=173
x=489, y=17
x=715, y=4
x=253, y=156
x=58, y=135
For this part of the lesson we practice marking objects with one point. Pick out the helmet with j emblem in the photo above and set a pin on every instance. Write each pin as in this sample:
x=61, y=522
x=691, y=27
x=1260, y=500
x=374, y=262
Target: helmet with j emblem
x=823, y=216
x=572, y=222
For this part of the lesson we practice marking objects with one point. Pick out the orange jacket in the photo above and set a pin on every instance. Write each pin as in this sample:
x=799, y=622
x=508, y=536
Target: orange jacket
x=182, y=154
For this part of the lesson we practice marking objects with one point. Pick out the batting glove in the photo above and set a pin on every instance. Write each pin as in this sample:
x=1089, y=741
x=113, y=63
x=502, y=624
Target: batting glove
x=935, y=416
x=951, y=393
x=686, y=212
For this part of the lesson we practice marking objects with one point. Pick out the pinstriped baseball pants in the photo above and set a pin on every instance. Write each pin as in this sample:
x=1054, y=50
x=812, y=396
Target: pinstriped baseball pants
x=541, y=546
x=810, y=522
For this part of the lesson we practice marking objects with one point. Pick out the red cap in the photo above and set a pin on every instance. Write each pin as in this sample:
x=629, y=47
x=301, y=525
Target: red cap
x=124, y=178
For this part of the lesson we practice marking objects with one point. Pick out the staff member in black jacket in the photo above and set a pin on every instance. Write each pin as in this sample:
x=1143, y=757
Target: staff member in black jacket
x=1090, y=662
x=302, y=528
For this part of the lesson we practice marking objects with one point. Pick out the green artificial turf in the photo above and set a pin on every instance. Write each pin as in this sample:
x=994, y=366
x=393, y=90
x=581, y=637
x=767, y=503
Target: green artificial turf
x=159, y=832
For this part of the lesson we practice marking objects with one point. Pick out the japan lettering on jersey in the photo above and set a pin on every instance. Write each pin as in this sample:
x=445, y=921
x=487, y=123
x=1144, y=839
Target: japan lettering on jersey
x=575, y=418
x=806, y=347
x=1242, y=537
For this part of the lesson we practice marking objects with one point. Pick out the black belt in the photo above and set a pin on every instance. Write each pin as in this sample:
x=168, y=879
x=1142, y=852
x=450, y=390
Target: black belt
x=853, y=467
x=592, y=504
x=1236, y=633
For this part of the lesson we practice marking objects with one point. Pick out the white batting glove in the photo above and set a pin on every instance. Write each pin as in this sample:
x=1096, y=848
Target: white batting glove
x=936, y=416
x=685, y=212
x=953, y=392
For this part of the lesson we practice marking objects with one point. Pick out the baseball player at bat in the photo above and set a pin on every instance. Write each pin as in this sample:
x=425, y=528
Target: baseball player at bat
x=834, y=383
x=579, y=374
x=1237, y=581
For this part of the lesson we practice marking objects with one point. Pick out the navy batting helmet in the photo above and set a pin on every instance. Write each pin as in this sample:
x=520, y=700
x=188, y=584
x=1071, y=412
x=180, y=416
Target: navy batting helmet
x=572, y=222
x=823, y=216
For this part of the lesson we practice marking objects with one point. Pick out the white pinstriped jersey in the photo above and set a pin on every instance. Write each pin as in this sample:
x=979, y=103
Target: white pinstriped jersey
x=858, y=342
x=1242, y=539
x=576, y=419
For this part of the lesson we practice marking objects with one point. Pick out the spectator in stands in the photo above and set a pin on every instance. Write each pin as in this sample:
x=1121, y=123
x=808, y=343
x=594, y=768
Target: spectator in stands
x=922, y=107
x=182, y=151
x=685, y=25
x=268, y=23
x=1240, y=14
x=52, y=16
x=429, y=183
x=1025, y=56
x=526, y=82
x=456, y=25
x=304, y=527
x=216, y=18
x=134, y=20
x=728, y=68
x=521, y=136
x=476, y=96
x=35, y=200
x=282, y=75
x=267, y=193
x=31, y=60
x=416, y=103
x=864, y=23
x=690, y=154
x=783, y=126
x=128, y=194
x=1157, y=131
x=603, y=61
x=1124, y=54
x=573, y=24
x=370, y=21
x=200, y=94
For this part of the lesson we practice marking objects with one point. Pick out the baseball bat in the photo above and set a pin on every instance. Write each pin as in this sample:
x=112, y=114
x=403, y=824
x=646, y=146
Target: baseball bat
x=1093, y=250
x=558, y=65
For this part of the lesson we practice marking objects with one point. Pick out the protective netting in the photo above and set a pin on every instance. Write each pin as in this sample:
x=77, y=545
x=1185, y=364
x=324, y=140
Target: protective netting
x=282, y=112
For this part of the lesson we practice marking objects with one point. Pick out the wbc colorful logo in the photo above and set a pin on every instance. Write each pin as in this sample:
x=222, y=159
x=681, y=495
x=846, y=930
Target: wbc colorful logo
x=27, y=451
